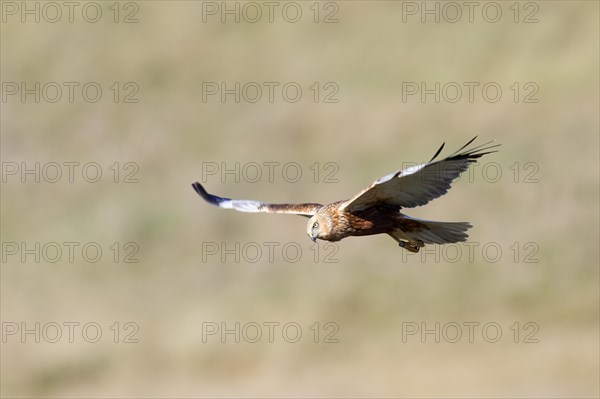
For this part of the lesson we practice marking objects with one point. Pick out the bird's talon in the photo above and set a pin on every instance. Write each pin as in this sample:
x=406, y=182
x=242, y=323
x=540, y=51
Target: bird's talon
x=412, y=246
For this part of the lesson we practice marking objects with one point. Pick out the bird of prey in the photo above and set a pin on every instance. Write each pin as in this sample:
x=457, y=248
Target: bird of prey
x=378, y=208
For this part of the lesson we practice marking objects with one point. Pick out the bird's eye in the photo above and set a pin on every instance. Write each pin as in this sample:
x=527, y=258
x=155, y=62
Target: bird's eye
x=315, y=225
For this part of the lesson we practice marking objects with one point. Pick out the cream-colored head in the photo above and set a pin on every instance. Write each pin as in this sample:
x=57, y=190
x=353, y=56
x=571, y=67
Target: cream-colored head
x=319, y=226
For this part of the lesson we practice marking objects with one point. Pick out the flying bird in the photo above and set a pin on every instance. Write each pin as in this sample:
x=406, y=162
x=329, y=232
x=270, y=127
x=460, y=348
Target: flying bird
x=378, y=208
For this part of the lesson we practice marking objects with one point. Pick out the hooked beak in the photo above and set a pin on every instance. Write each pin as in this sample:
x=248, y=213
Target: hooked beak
x=314, y=239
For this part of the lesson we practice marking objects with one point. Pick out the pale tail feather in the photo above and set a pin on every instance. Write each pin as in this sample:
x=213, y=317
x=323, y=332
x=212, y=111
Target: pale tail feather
x=435, y=232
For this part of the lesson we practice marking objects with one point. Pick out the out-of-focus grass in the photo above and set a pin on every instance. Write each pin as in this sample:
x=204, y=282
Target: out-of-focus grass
x=371, y=291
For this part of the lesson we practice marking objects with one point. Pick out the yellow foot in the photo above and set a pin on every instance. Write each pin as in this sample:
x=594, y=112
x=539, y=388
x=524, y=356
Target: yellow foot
x=412, y=246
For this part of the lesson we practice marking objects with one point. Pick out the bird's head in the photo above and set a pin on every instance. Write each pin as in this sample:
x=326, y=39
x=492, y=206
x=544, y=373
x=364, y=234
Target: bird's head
x=319, y=226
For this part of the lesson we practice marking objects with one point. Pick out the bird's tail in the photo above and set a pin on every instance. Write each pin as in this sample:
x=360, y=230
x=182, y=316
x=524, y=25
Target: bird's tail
x=431, y=232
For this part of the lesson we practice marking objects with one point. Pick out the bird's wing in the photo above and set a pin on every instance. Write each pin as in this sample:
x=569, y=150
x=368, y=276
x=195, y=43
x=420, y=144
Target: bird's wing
x=417, y=185
x=307, y=210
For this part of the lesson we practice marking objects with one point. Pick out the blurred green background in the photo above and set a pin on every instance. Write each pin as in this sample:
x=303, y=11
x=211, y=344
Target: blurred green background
x=373, y=290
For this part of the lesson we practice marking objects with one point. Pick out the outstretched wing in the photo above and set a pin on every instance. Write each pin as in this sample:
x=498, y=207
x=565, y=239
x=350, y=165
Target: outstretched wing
x=417, y=185
x=254, y=206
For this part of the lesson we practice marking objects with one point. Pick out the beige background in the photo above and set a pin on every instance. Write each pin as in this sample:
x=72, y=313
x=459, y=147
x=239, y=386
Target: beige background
x=374, y=289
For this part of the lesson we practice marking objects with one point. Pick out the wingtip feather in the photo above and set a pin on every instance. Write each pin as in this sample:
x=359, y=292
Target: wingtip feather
x=199, y=189
x=212, y=199
x=438, y=152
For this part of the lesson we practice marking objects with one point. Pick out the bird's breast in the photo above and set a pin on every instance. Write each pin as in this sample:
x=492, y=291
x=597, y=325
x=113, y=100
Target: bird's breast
x=372, y=221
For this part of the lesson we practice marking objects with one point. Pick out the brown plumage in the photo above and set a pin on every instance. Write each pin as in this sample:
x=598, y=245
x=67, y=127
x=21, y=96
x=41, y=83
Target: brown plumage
x=376, y=209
